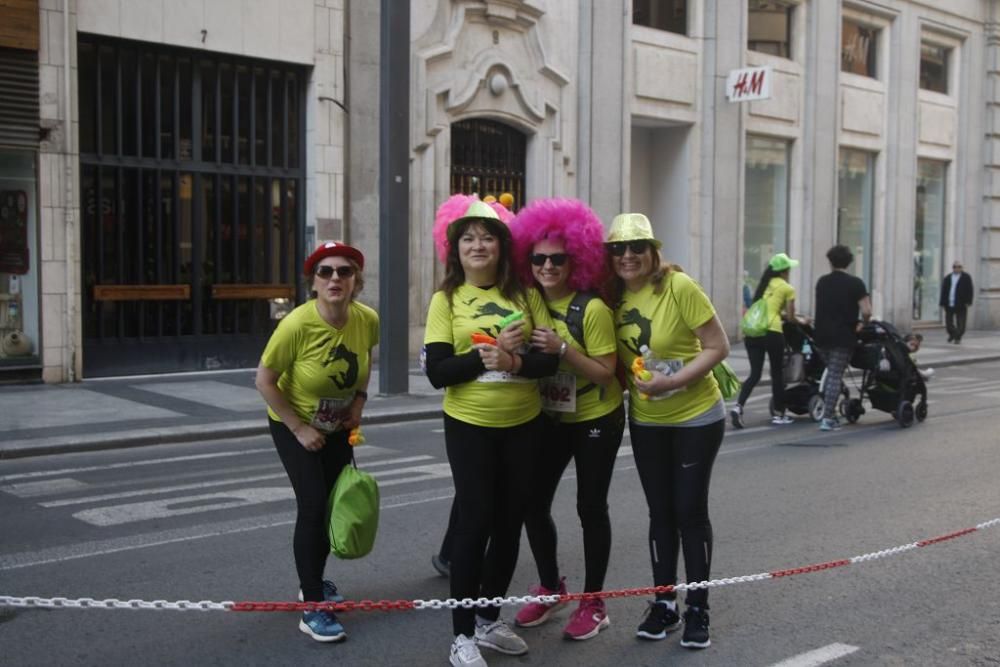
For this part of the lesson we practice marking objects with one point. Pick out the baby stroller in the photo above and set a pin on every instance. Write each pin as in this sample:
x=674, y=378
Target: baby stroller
x=803, y=373
x=890, y=380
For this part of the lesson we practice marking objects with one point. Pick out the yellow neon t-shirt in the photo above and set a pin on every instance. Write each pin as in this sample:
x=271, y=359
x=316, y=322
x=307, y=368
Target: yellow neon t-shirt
x=321, y=366
x=495, y=398
x=776, y=296
x=665, y=323
x=599, y=339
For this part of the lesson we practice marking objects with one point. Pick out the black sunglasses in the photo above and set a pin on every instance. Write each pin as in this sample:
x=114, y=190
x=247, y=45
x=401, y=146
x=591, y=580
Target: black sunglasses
x=637, y=247
x=557, y=258
x=326, y=271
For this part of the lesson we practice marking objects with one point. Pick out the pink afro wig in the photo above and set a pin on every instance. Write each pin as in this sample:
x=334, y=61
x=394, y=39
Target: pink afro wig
x=453, y=208
x=572, y=222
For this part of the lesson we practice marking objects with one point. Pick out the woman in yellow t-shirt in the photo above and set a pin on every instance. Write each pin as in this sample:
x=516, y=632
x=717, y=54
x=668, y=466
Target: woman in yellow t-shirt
x=779, y=296
x=676, y=414
x=559, y=248
x=314, y=376
x=492, y=414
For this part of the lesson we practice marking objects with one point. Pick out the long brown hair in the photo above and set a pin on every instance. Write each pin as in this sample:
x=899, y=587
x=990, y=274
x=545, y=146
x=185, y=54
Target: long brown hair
x=506, y=282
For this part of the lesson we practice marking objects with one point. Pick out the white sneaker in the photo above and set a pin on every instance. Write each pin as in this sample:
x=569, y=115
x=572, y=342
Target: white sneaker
x=781, y=420
x=499, y=637
x=465, y=653
x=736, y=416
x=926, y=373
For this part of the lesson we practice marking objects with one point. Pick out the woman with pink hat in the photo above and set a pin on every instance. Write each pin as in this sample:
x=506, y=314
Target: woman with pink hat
x=314, y=376
x=477, y=346
x=559, y=248
x=670, y=335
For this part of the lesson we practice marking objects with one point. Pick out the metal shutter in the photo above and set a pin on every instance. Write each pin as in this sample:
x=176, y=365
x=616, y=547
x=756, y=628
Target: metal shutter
x=18, y=98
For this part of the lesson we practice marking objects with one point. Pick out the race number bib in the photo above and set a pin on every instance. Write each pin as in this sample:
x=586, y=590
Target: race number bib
x=558, y=392
x=329, y=414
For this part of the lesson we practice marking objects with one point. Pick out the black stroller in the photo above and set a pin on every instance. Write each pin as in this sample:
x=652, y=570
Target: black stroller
x=890, y=381
x=803, y=373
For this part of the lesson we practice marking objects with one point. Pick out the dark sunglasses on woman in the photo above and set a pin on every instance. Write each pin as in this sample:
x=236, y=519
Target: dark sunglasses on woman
x=637, y=247
x=326, y=272
x=557, y=259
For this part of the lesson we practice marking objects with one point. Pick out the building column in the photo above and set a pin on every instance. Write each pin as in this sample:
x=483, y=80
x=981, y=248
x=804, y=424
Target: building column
x=987, y=308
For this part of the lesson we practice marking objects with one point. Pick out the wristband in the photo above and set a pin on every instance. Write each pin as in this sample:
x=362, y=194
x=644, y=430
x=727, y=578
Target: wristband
x=361, y=394
x=562, y=349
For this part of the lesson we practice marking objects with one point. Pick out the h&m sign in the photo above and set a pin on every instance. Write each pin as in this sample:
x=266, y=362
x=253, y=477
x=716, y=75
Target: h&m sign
x=750, y=83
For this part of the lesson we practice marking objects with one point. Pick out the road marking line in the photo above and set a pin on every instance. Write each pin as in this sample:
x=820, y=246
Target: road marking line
x=819, y=656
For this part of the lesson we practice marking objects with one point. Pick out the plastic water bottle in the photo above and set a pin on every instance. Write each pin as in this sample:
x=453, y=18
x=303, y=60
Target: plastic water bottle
x=807, y=350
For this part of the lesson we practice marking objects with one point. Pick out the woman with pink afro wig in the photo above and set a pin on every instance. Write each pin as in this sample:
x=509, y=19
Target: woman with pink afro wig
x=576, y=225
x=559, y=247
x=453, y=208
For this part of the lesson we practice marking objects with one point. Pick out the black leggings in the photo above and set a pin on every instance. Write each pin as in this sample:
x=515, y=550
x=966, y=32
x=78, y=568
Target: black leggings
x=675, y=468
x=312, y=475
x=491, y=469
x=594, y=445
x=774, y=344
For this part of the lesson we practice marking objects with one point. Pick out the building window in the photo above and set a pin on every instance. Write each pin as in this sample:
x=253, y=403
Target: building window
x=934, y=67
x=928, y=238
x=669, y=15
x=858, y=49
x=765, y=217
x=769, y=28
x=856, y=208
x=488, y=158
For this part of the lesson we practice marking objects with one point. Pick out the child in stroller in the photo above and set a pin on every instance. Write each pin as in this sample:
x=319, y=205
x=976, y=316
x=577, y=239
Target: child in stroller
x=890, y=379
x=803, y=372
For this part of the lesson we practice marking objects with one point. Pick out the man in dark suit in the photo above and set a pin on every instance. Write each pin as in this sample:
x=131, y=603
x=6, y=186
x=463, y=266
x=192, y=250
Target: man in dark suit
x=956, y=297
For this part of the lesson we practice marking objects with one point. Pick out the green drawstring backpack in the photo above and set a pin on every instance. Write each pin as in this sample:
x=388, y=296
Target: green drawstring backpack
x=353, y=513
x=756, y=320
x=729, y=383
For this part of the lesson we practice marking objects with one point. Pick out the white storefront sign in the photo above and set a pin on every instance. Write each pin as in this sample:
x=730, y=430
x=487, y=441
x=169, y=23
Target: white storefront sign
x=750, y=83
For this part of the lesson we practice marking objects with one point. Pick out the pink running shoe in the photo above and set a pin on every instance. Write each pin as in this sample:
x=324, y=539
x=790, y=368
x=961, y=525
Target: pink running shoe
x=536, y=613
x=589, y=618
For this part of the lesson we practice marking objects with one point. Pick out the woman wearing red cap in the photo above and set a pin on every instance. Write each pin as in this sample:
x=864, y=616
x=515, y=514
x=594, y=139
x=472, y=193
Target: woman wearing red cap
x=314, y=376
x=475, y=345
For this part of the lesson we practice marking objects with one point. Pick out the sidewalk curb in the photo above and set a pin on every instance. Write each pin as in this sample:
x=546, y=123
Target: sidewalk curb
x=16, y=449
x=45, y=446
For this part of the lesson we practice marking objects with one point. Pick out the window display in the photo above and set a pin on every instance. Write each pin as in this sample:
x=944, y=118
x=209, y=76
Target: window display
x=18, y=260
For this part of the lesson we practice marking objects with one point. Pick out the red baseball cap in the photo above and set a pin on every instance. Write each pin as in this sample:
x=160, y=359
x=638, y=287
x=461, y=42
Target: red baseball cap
x=333, y=249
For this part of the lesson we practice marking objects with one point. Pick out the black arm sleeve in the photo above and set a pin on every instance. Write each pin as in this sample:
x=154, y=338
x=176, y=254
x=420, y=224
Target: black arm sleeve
x=536, y=364
x=445, y=368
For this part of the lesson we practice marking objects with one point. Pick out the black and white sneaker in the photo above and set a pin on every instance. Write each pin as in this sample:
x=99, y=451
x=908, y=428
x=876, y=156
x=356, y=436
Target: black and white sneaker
x=695, y=628
x=736, y=416
x=660, y=619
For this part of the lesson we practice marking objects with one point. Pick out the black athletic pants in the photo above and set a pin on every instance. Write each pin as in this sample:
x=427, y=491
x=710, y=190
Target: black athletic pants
x=772, y=343
x=593, y=444
x=675, y=468
x=312, y=475
x=491, y=469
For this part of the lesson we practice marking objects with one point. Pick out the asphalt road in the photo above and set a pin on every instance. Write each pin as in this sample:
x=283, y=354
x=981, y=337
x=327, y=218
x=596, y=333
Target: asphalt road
x=213, y=521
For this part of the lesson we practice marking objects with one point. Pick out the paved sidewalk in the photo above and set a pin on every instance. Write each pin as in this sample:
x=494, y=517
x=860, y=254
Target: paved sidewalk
x=125, y=412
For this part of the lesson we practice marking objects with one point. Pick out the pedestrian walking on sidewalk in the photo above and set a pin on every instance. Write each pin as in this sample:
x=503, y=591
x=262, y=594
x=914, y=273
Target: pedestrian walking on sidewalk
x=314, y=376
x=559, y=249
x=476, y=346
x=779, y=296
x=956, y=298
x=840, y=297
x=677, y=417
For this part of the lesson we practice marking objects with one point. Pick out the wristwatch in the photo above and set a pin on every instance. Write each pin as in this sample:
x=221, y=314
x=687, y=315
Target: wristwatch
x=563, y=348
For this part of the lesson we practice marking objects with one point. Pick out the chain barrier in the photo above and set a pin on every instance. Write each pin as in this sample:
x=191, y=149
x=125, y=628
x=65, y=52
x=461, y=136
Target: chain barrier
x=469, y=603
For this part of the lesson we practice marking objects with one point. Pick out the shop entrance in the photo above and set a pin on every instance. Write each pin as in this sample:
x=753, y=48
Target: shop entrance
x=191, y=205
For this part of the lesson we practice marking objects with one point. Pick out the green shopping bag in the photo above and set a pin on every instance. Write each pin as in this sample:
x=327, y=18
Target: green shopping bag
x=755, y=321
x=729, y=383
x=353, y=513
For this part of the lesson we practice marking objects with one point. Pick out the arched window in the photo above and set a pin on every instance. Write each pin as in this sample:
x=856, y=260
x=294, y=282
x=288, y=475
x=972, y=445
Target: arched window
x=487, y=158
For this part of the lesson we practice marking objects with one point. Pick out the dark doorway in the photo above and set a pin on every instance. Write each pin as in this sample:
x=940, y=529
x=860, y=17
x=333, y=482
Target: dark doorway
x=192, y=205
x=487, y=158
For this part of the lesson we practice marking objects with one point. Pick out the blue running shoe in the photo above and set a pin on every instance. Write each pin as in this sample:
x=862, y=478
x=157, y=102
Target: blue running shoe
x=322, y=626
x=330, y=593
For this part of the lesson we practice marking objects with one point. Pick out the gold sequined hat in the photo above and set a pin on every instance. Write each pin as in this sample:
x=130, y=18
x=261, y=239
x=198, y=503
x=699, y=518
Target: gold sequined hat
x=481, y=212
x=632, y=227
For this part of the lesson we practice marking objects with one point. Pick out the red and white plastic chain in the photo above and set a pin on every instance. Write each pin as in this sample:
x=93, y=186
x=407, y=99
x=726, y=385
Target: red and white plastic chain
x=466, y=603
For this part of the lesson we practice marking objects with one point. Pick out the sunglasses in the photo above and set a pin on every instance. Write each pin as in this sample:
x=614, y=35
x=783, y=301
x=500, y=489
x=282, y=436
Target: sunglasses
x=557, y=259
x=637, y=247
x=326, y=272
x=957, y=266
